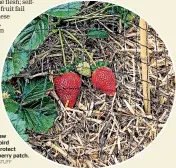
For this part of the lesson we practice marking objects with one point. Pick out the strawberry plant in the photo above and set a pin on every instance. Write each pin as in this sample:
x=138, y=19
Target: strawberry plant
x=35, y=110
x=59, y=89
x=15, y=62
x=8, y=89
x=33, y=35
x=30, y=38
x=19, y=125
x=27, y=104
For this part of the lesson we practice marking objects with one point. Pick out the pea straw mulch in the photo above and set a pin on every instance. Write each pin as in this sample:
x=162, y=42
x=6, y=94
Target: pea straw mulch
x=101, y=130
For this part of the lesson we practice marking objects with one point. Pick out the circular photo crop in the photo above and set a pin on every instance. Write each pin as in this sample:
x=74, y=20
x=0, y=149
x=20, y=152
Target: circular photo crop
x=88, y=84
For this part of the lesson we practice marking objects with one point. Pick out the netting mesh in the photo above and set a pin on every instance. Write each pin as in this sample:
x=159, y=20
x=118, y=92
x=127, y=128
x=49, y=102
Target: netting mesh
x=102, y=130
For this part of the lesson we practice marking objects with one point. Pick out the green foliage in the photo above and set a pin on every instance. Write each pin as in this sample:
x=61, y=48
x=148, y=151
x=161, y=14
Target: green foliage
x=35, y=90
x=68, y=68
x=11, y=105
x=62, y=69
x=65, y=10
x=77, y=61
x=100, y=63
x=93, y=67
x=8, y=88
x=36, y=109
x=41, y=117
x=19, y=125
x=33, y=35
x=99, y=34
x=14, y=64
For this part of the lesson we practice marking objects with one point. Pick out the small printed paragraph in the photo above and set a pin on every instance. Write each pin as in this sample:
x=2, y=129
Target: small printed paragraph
x=9, y=6
x=7, y=152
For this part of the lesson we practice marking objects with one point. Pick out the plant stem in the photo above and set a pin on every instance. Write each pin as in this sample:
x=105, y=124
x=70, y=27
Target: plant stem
x=84, y=18
x=76, y=40
x=74, y=55
x=62, y=45
x=106, y=7
x=101, y=10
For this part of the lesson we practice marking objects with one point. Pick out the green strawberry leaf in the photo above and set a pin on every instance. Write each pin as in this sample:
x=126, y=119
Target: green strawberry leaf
x=37, y=111
x=14, y=64
x=98, y=34
x=19, y=125
x=8, y=88
x=46, y=107
x=33, y=35
x=65, y=10
x=40, y=116
x=36, y=89
x=11, y=105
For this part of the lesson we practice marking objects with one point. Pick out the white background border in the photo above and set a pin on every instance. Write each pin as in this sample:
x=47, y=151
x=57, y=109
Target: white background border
x=160, y=14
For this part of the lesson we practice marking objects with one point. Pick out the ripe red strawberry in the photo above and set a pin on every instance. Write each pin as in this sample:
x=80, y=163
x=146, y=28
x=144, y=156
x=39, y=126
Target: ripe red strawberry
x=67, y=87
x=103, y=79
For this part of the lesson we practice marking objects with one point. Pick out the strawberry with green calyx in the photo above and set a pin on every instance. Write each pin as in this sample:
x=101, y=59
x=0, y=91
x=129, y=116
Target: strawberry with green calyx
x=67, y=86
x=99, y=64
x=103, y=78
